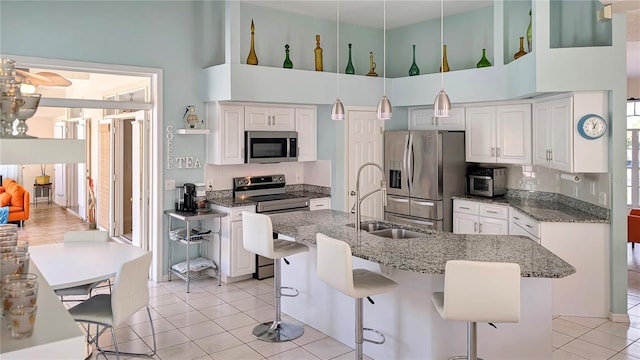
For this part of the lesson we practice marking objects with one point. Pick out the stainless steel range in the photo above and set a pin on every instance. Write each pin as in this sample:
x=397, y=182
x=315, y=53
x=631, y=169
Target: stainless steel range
x=271, y=198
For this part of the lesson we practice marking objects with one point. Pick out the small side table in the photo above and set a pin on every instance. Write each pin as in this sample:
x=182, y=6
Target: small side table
x=42, y=190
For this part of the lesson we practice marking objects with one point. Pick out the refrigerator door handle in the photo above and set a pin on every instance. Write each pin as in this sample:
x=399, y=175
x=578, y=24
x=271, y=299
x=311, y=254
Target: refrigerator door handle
x=405, y=160
x=425, y=203
x=410, y=165
x=399, y=200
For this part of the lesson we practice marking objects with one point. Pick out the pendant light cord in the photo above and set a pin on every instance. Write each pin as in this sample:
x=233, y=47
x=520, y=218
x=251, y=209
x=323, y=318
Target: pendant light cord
x=384, y=46
x=337, y=48
x=442, y=43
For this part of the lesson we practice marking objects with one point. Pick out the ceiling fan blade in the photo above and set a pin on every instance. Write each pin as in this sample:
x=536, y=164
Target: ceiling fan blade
x=35, y=79
x=55, y=79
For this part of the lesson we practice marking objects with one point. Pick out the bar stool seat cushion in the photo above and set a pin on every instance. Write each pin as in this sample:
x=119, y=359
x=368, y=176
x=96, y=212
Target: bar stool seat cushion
x=369, y=283
x=284, y=248
x=476, y=291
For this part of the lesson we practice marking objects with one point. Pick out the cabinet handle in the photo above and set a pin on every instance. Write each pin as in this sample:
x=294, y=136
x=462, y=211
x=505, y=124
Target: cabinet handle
x=493, y=151
x=517, y=218
x=480, y=228
x=550, y=155
x=475, y=227
x=498, y=151
x=464, y=207
x=492, y=212
x=529, y=226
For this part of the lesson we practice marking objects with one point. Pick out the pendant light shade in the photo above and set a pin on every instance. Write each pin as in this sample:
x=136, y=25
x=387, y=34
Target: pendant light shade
x=384, y=109
x=442, y=104
x=384, y=106
x=337, y=110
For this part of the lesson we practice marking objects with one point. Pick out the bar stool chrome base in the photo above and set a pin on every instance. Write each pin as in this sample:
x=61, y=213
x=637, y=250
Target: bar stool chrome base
x=277, y=331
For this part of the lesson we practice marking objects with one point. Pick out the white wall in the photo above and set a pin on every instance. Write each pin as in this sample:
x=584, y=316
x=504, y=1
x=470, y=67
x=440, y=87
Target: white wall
x=633, y=88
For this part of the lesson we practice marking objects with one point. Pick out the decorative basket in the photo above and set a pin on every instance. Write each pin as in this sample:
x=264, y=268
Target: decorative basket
x=42, y=179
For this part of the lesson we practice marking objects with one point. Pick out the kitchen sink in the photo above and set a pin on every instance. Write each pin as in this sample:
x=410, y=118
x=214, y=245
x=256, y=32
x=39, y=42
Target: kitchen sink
x=397, y=233
x=374, y=227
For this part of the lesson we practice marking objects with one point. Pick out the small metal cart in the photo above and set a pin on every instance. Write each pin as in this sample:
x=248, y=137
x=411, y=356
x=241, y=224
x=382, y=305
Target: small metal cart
x=192, y=235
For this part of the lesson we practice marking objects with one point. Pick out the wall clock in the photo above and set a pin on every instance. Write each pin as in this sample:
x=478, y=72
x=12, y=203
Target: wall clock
x=592, y=126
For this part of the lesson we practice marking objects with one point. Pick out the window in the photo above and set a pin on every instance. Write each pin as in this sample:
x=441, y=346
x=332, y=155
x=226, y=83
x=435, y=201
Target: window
x=633, y=153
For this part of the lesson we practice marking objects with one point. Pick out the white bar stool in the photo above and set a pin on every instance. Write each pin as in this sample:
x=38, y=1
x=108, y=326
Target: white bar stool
x=335, y=268
x=258, y=238
x=476, y=291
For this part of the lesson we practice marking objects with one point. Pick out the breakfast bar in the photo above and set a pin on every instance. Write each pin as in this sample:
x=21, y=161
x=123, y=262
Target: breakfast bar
x=413, y=328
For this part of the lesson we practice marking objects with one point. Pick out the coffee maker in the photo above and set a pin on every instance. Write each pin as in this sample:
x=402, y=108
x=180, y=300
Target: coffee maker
x=190, y=204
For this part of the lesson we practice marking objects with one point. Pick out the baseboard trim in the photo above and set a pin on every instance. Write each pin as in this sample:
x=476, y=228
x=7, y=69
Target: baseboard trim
x=619, y=318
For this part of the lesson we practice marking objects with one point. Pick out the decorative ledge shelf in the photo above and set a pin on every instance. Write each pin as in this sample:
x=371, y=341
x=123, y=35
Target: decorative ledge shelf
x=192, y=131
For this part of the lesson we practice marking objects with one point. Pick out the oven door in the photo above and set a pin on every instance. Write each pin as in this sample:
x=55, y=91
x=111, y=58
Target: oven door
x=268, y=147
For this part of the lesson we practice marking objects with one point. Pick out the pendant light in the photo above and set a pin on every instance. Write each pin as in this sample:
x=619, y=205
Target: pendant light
x=442, y=104
x=337, y=110
x=384, y=106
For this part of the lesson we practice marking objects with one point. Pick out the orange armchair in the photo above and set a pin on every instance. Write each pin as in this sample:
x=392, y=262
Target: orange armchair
x=633, y=227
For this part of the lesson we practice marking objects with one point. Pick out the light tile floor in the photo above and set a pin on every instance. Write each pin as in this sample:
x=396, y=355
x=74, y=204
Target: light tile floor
x=214, y=322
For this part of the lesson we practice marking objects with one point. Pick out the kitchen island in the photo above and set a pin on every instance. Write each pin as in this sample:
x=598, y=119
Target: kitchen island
x=413, y=328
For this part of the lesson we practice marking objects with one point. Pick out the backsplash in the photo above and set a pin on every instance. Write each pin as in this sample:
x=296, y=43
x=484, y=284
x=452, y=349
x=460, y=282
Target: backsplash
x=591, y=189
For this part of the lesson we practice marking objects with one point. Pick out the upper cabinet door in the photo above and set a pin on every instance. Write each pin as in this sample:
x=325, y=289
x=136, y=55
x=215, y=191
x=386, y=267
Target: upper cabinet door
x=225, y=142
x=307, y=133
x=260, y=118
x=423, y=119
x=513, y=138
x=481, y=134
x=257, y=118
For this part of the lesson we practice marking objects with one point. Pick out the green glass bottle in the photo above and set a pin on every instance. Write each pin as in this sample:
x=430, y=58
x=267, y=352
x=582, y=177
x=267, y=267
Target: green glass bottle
x=414, y=70
x=287, y=62
x=484, y=62
x=529, y=37
x=350, y=70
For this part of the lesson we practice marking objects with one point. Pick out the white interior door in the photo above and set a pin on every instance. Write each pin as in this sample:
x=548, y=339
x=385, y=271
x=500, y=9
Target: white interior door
x=60, y=170
x=365, y=142
x=139, y=174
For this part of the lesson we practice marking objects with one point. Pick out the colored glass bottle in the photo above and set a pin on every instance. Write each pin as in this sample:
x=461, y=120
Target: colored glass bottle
x=444, y=67
x=318, y=54
x=252, y=59
x=529, y=36
x=414, y=70
x=484, y=62
x=520, y=52
x=287, y=62
x=350, y=70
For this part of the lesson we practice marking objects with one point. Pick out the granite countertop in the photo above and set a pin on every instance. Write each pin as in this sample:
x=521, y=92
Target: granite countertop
x=427, y=254
x=541, y=210
x=231, y=202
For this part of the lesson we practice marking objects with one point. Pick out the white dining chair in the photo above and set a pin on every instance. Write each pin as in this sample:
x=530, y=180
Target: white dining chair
x=130, y=293
x=85, y=289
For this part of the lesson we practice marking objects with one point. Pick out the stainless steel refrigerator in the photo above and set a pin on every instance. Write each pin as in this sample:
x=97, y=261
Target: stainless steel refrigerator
x=424, y=169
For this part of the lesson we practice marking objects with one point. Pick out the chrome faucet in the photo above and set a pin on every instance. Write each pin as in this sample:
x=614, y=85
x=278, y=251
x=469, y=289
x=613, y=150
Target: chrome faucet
x=358, y=203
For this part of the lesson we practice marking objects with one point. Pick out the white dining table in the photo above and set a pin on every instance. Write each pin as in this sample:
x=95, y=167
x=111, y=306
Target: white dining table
x=66, y=265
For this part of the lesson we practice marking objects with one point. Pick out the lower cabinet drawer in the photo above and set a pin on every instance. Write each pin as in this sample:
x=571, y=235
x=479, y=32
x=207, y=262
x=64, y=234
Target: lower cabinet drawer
x=528, y=224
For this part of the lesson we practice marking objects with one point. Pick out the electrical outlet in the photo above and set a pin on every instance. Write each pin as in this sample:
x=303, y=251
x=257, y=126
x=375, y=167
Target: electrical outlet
x=298, y=177
x=169, y=184
x=593, y=189
x=209, y=185
x=575, y=191
x=602, y=198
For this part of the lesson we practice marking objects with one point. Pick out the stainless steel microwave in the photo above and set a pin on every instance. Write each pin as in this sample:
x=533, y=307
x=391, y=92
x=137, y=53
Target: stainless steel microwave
x=262, y=147
x=487, y=181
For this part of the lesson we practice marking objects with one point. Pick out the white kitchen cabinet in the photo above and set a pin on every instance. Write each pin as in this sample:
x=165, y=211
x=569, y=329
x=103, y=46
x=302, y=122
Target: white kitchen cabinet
x=264, y=118
x=521, y=224
x=498, y=134
x=225, y=141
x=422, y=118
x=471, y=217
x=556, y=141
x=306, y=126
x=320, y=204
x=236, y=263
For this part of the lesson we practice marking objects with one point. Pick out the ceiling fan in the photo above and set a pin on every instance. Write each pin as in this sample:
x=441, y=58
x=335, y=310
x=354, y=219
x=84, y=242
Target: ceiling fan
x=42, y=78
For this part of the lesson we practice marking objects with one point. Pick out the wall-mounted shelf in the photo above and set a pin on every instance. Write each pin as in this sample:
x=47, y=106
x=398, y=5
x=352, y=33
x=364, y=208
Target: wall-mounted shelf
x=192, y=131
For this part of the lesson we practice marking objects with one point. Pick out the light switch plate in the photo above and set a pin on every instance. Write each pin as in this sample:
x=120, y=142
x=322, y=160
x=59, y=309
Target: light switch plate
x=170, y=184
